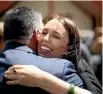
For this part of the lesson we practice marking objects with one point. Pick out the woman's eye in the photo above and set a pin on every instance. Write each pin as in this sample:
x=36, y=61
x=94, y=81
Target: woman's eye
x=44, y=33
x=57, y=37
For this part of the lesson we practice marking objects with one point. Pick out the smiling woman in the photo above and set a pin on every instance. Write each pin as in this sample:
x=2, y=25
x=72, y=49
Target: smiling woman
x=53, y=40
x=59, y=38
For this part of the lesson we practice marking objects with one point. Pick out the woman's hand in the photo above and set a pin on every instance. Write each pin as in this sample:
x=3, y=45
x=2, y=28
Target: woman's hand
x=27, y=75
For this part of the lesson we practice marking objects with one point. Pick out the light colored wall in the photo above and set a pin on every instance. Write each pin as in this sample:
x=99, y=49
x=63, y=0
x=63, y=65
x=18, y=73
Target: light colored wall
x=82, y=21
x=37, y=5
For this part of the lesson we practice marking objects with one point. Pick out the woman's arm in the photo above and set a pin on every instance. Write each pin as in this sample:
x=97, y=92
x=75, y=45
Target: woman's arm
x=32, y=76
x=57, y=86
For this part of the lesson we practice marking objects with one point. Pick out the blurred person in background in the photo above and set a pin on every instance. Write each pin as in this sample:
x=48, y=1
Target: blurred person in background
x=1, y=36
x=96, y=49
x=96, y=46
x=91, y=46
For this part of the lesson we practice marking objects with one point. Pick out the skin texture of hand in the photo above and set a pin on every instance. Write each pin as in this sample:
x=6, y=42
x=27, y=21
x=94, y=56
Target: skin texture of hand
x=27, y=75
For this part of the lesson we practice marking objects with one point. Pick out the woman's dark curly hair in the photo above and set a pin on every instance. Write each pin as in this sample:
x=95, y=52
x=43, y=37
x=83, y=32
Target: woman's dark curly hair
x=73, y=33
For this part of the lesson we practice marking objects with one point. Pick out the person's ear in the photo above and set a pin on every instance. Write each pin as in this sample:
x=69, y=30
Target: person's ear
x=38, y=34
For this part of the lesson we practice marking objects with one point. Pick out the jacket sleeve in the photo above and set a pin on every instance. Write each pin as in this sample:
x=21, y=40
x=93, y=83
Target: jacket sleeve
x=90, y=81
x=70, y=75
x=3, y=68
x=2, y=81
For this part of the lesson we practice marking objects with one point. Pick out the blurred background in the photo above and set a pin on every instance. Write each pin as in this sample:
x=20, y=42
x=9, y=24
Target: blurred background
x=87, y=15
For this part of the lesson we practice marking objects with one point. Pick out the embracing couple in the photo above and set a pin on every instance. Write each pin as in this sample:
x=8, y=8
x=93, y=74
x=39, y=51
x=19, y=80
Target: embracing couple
x=53, y=66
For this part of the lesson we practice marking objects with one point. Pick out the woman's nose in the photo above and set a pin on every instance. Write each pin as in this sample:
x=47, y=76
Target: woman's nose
x=47, y=37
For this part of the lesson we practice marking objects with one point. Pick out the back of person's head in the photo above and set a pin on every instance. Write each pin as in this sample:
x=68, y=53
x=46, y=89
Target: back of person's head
x=73, y=33
x=20, y=23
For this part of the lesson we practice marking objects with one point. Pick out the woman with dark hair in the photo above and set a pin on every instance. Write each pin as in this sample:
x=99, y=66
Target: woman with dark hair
x=60, y=39
x=73, y=53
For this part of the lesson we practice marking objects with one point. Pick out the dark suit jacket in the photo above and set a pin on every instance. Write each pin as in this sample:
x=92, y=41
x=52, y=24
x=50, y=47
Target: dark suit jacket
x=17, y=53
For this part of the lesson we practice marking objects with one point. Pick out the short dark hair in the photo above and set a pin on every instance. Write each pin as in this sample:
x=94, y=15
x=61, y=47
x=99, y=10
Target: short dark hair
x=20, y=23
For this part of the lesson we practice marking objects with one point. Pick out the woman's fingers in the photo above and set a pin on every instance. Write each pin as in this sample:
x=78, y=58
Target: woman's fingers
x=11, y=77
x=10, y=72
x=27, y=75
x=14, y=82
x=15, y=67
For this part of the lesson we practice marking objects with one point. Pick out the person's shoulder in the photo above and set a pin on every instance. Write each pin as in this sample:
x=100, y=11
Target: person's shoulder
x=63, y=61
x=56, y=60
x=67, y=63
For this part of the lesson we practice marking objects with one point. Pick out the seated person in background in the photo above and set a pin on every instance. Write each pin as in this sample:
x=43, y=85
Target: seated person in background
x=96, y=45
x=1, y=36
x=19, y=25
x=96, y=48
x=60, y=39
x=91, y=46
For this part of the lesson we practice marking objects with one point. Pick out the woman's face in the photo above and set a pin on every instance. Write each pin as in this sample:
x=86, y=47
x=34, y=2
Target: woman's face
x=53, y=40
